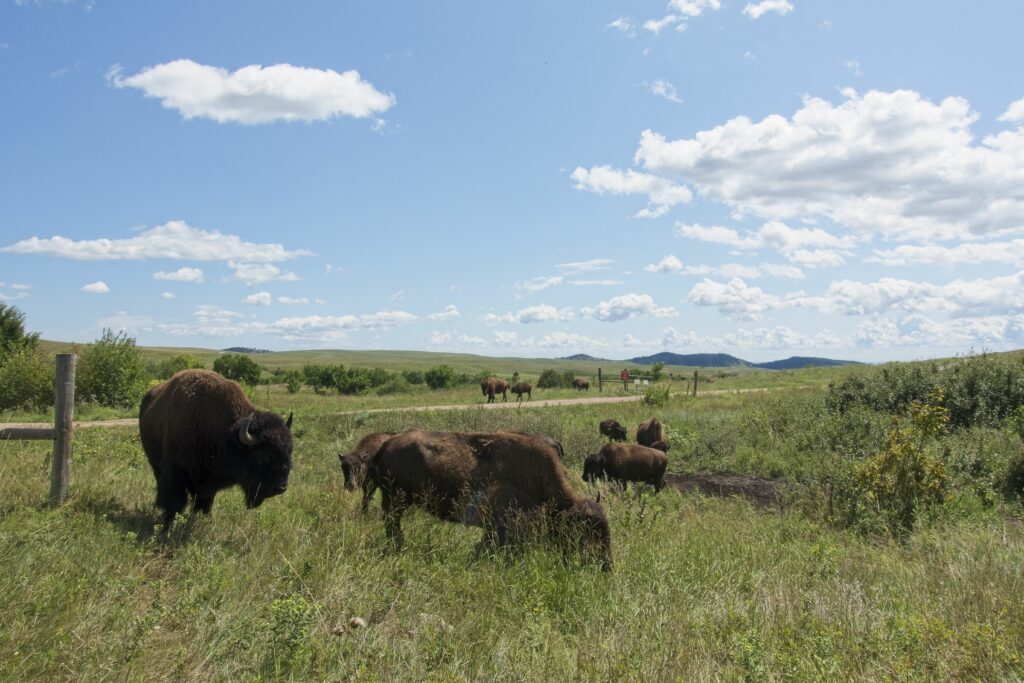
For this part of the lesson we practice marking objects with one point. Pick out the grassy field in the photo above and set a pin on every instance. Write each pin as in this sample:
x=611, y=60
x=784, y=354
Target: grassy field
x=703, y=587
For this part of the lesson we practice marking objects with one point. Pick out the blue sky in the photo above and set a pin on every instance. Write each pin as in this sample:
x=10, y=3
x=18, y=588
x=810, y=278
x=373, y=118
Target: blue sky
x=761, y=178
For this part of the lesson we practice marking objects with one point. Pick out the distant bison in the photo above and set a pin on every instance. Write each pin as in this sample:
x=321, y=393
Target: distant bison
x=492, y=386
x=353, y=464
x=650, y=432
x=201, y=435
x=523, y=388
x=613, y=430
x=580, y=384
x=487, y=480
x=626, y=462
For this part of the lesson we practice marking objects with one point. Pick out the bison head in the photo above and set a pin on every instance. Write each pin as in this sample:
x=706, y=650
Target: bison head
x=593, y=467
x=484, y=386
x=661, y=446
x=353, y=466
x=586, y=525
x=261, y=444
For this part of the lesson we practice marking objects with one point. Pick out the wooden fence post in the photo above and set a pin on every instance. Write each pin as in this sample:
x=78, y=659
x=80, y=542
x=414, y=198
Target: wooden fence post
x=63, y=427
x=599, y=380
x=694, y=382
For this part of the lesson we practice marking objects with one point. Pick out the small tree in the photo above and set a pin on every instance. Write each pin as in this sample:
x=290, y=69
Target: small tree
x=12, y=332
x=111, y=371
x=413, y=376
x=293, y=380
x=657, y=371
x=26, y=380
x=549, y=379
x=238, y=367
x=440, y=377
x=183, y=361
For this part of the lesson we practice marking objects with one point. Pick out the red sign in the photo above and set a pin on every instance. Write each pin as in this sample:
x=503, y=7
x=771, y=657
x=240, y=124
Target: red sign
x=624, y=375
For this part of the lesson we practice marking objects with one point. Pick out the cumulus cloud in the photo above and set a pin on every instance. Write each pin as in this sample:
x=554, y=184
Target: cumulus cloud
x=920, y=330
x=810, y=247
x=256, y=273
x=166, y=295
x=625, y=25
x=595, y=283
x=503, y=338
x=747, y=272
x=542, y=313
x=586, y=266
x=182, y=274
x=172, y=240
x=449, y=312
x=662, y=193
x=1014, y=113
x=255, y=94
x=455, y=339
x=540, y=283
x=1010, y=252
x=669, y=264
x=20, y=291
x=99, y=287
x=735, y=298
x=627, y=306
x=755, y=10
x=292, y=300
x=664, y=88
x=258, y=299
x=695, y=8
x=655, y=25
x=887, y=163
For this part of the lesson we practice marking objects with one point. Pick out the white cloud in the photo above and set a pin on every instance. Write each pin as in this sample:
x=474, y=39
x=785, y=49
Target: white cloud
x=255, y=94
x=540, y=283
x=920, y=330
x=182, y=274
x=756, y=10
x=811, y=247
x=566, y=340
x=854, y=66
x=669, y=264
x=172, y=240
x=455, y=339
x=21, y=291
x=655, y=25
x=542, y=313
x=505, y=338
x=258, y=299
x=731, y=270
x=291, y=300
x=673, y=338
x=888, y=163
x=1010, y=252
x=398, y=296
x=663, y=88
x=99, y=287
x=123, y=321
x=695, y=8
x=627, y=306
x=586, y=266
x=595, y=283
x=256, y=273
x=449, y=312
x=215, y=322
x=167, y=295
x=625, y=25
x=735, y=298
x=662, y=193
x=1014, y=113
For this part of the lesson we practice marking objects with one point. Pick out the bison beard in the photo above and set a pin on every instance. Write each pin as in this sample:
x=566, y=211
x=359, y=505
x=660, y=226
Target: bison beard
x=490, y=480
x=202, y=435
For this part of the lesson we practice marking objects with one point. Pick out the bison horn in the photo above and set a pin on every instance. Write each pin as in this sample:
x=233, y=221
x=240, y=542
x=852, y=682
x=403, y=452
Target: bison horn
x=288, y=422
x=244, y=436
x=598, y=500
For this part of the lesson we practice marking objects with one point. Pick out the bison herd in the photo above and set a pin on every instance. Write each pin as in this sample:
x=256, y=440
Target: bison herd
x=202, y=435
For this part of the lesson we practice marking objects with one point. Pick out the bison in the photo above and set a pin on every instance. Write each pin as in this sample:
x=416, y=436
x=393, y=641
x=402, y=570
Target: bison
x=493, y=386
x=613, y=430
x=353, y=465
x=486, y=480
x=651, y=432
x=201, y=435
x=626, y=462
x=523, y=388
x=580, y=384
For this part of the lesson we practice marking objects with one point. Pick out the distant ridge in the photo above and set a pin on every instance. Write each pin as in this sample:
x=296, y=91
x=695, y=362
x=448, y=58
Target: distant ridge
x=581, y=356
x=244, y=349
x=797, y=362
x=724, y=360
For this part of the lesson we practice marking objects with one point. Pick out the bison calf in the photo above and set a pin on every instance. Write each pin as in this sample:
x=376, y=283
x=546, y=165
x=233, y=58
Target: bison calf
x=201, y=435
x=353, y=464
x=523, y=388
x=625, y=463
x=651, y=432
x=487, y=480
x=613, y=430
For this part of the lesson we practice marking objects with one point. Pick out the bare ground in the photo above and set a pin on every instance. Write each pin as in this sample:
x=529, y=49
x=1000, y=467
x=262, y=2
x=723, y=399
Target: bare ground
x=758, y=490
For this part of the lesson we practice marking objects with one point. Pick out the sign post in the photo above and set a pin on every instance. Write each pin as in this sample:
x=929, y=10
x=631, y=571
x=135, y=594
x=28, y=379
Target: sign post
x=624, y=376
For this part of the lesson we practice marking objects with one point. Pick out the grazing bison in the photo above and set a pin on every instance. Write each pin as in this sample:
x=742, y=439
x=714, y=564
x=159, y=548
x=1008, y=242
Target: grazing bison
x=549, y=440
x=353, y=465
x=580, y=384
x=487, y=480
x=493, y=386
x=201, y=435
x=650, y=432
x=626, y=462
x=523, y=388
x=613, y=430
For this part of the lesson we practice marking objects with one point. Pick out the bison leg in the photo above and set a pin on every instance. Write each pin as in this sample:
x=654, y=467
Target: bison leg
x=393, y=505
x=171, y=494
x=203, y=503
x=369, y=486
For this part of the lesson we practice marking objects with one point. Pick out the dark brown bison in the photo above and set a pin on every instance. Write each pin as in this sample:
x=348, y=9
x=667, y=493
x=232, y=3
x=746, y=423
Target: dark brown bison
x=626, y=462
x=492, y=386
x=353, y=464
x=613, y=430
x=523, y=388
x=487, y=480
x=650, y=432
x=201, y=435
x=580, y=384
x=549, y=440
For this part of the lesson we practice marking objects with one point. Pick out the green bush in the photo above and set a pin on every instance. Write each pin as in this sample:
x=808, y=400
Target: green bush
x=26, y=380
x=238, y=367
x=413, y=376
x=440, y=377
x=549, y=379
x=12, y=332
x=656, y=396
x=183, y=361
x=111, y=371
x=293, y=380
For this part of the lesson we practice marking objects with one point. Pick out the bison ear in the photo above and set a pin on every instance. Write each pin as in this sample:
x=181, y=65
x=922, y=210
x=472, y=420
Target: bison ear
x=288, y=422
x=483, y=447
x=244, y=435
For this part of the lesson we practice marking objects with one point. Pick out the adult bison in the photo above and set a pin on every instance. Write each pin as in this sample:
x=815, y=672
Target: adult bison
x=488, y=480
x=492, y=386
x=580, y=384
x=201, y=435
x=613, y=430
x=353, y=464
x=651, y=432
x=626, y=462
x=523, y=388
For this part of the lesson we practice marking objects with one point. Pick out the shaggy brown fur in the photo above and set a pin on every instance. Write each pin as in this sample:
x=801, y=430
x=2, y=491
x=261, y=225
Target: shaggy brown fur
x=613, y=430
x=493, y=386
x=353, y=464
x=192, y=428
x=649, y=432
x=626, y=462
x=580, y=384
x=523, y=388
x=487, y=480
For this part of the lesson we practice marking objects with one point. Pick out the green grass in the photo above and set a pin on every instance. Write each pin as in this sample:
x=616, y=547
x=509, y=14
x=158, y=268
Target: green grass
x=703, y=588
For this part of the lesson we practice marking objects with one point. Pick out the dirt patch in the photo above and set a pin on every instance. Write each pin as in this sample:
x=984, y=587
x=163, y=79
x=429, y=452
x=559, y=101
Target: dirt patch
x=758, y=490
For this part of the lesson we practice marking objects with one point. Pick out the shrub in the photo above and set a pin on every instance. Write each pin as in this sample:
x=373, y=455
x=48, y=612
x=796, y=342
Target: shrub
x=318, y=377
x=238, y=367
x=396, y=384
x=183, y=361
x=111, y=371
x=413, y=376
x=655, y=396
x=440, y=377
x=27, y=379
x=12, y=332
x=293, y=380
x=549, y=379
x=657, y=371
